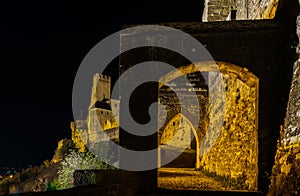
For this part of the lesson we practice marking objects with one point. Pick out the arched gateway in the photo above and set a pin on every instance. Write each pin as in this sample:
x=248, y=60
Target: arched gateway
x=226, y=135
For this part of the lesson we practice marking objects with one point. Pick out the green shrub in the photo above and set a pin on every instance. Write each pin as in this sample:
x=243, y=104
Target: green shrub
x=77, y=161
x=52, y=185
x=104, y=151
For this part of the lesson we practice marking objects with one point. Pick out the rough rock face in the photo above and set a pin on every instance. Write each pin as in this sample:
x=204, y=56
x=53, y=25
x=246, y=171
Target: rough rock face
x=292, y=121
x=233, y=151
x=285, y=179
x=256, y=9
x=221, y=10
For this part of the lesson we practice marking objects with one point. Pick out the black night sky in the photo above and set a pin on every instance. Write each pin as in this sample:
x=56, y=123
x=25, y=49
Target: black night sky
x=42, y=45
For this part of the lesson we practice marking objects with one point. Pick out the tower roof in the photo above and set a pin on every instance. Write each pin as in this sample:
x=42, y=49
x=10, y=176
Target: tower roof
x=101, y=105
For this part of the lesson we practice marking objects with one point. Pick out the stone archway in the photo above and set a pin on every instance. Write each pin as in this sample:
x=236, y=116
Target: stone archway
x=178, y=133
x=233, y=151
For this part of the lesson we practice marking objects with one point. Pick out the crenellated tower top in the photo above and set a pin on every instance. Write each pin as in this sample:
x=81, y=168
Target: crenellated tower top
x=101, y=88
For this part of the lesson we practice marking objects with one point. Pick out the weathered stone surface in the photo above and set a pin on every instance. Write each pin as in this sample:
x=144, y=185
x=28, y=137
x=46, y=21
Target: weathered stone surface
x=216, y=10
x=184, y=113
x=220, y=10
x=178, y=133
x=292, y=120
x=102, y=122
x=232, y=151
x=244, y=43
x=285, y=179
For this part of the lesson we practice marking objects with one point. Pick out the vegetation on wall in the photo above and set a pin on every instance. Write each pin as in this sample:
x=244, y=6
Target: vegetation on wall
x=77, y=161
x=235, y=183
x=58, y=173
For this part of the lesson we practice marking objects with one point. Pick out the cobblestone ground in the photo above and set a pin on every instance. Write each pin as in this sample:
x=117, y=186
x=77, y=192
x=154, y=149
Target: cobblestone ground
x=187, y=179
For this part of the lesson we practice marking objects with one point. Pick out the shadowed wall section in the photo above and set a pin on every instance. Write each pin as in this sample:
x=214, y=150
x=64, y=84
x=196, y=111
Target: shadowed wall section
x=285, y=178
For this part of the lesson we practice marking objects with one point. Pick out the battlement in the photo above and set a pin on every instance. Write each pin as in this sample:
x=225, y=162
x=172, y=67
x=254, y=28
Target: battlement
x=99, y=77
x=101, y=88
x=104, y=78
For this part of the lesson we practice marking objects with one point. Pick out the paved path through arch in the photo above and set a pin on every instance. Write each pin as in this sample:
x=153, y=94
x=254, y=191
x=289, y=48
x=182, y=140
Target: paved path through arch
x=187, y=179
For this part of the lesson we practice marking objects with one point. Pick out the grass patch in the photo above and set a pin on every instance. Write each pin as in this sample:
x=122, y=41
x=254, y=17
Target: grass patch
x=236, y=183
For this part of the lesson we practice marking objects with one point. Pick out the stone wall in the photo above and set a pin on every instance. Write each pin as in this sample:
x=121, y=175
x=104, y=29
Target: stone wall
x=101, y=88
x=292, y=120
x=221, y=10
x=216, y=10
x=233, y=151
x=256, y=9
x=184, y=111
x=79, y=136
x=216, y=111
x=262, y=48
x=285, y=179
x=80, y=139
x=177, y=133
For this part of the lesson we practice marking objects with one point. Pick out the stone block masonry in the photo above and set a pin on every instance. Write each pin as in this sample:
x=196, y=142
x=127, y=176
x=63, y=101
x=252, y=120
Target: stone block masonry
x=220, y=10
x=233, y=151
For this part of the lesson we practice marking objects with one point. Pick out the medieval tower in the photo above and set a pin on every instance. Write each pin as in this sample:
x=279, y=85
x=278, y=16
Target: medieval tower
x=100, y=89
x=101, y=124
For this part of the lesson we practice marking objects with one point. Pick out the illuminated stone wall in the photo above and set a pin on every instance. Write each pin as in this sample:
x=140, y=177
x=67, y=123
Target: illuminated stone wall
x=103, y=115
x=177, y=133
x=101, y=88
x=220, y=10
x=216, y=10
x=292, y=120
x=256, y=9
x=216, y=110
x=229, y=147
x=285, y=179
x=79, y=136
x=182, y=108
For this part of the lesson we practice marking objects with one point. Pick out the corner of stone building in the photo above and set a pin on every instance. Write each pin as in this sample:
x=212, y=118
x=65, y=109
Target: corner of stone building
x=285, y=177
